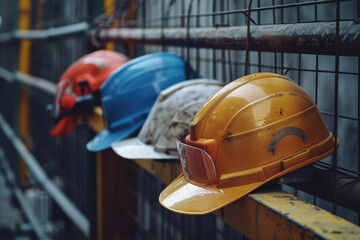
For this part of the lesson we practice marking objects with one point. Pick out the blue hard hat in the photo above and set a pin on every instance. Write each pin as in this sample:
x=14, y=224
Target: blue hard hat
x=130, y=92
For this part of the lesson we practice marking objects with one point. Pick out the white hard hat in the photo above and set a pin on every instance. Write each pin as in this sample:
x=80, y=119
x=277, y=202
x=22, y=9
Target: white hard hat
x=168, y=120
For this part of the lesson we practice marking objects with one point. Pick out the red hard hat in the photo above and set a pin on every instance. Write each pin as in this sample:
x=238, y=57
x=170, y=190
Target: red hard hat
x=83, y=78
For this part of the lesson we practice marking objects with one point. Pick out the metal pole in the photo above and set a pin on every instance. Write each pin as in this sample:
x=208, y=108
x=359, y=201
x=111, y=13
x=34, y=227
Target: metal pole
x=24, y=204
x=40, y=176
x=39, y=83
x=24, y=59
x=312, y=38
x=29, y=80
x=44, y=34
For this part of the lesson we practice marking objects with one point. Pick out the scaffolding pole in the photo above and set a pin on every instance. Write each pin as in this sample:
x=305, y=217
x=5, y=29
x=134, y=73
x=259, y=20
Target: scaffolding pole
x=311, y=38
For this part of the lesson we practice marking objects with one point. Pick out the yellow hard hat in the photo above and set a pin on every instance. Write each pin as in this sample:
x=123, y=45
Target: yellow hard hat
x=251, y=131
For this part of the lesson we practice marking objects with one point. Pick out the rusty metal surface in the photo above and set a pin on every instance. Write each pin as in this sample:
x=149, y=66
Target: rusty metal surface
x=314, y=38
x=272, y=214
x=284, y=215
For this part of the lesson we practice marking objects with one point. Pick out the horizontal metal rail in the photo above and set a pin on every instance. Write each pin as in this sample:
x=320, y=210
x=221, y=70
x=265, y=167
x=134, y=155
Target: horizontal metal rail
x=311, y=38
x=46, y=33
x=31, y=81
x=7, y=75
x=273, y=214
x=40, y=176
x=39, y=83
x=270, y=213
x=24, y=204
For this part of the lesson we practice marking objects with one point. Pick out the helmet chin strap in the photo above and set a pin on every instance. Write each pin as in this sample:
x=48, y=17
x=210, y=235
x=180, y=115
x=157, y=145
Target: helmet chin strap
x=84, y=84
x=84, y=104
x=80, y=105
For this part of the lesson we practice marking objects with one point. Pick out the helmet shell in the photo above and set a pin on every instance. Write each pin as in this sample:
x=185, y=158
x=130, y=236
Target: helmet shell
x=244, y=117
x=82, y=78
x=130, y=92
x=253, y=130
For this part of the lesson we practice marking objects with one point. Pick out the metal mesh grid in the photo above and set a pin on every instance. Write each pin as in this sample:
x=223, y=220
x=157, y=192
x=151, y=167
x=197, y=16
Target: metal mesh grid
x=331, y=80
x=9, y=91
x=65, y=160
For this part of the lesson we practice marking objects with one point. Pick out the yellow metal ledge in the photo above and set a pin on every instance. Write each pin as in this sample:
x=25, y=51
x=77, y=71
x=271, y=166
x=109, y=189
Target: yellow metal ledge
x=269, y=214
x=280, y=215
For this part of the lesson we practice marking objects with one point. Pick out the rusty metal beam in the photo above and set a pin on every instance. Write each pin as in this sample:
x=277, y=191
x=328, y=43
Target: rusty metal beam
x=312, y=38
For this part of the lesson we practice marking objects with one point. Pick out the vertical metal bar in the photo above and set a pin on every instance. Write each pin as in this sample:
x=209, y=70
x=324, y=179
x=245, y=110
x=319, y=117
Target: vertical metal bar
x=282, y=21
x=259, y=22
x=188, y=37
x=247, y=38
x=274, y=22
x=358, y=15
x=24, y=67
x=231, y=76
x=334, y=156
x=99, y=184
x=163, y=48
x=316, y=63
x=182, y=23
x=316, y=76
x=297, y=12
x=143, y=23
x=223, y=60
x=214, y=50
x=109, y=8
x=198, y=25
x=299, y=69
x=236, y=53
x=358, y=123
x=299, y=55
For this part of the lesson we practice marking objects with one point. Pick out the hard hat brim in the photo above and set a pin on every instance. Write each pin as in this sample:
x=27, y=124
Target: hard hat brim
x=134, y=148
x=183, y=197
x=186, y=198
x=105, y=138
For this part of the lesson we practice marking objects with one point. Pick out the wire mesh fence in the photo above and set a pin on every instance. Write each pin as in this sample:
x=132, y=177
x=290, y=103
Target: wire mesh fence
x=65, y=160
x=330, y=78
